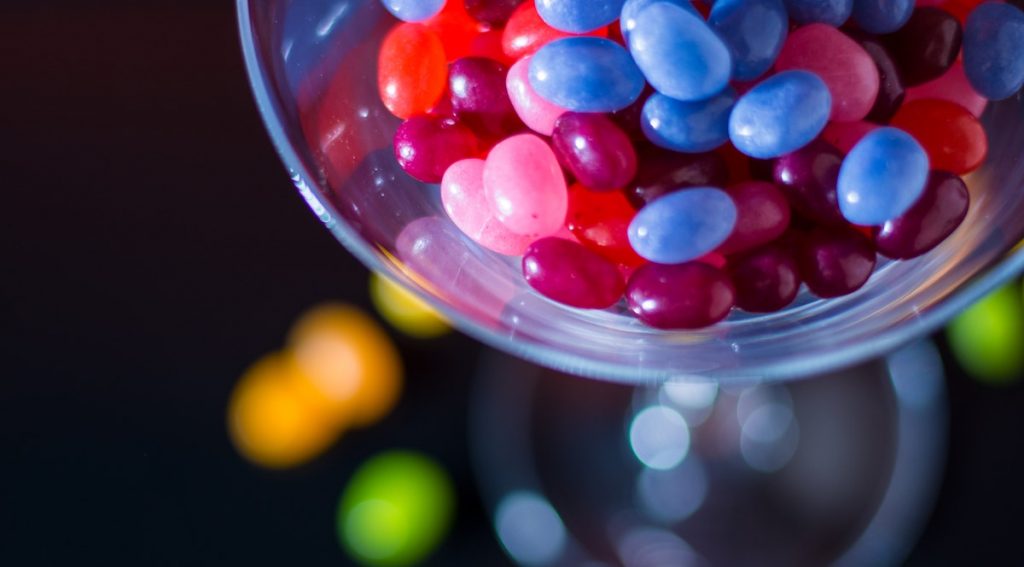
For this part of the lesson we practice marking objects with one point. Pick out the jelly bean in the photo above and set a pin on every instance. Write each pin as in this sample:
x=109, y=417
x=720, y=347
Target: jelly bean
x=683, y=225
x=488, y=45
x=479, y=97
x=952, y=136
x=845, y=135
x=952, y=86
x=660, y=172
x=596, y=152
x=959, y=8
x=692, y=127
x=831, y=12
x=891, y=90
x=586, y=74
x=525, y=32
x=630, y=10
x=579, y=16
x=927, y=45
x=568, y=273
x=881, y=177
x=780, y=115
x=492, y=12
x=537, y=113
x=600, y=221
x=678, y=53
x=848, y=70
x=766, y=279
x=762, y=215
x=939, y=211
x=882, y=16
x=683, y=296
x=426, y=145
x=993, y=57
x=455, y=29
x=525, y=186
x=413, y=10
x=808, y=178
x=754, y=31
x=412, y=70
x=834, y=261
x=464, y=199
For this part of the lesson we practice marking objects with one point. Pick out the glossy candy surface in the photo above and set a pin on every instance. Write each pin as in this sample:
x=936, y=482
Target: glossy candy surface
x=413, y=10
x=660, y=172
x=525, y=186
x=927, y=45
x=412, y=71
x=683, y=225
x=682, y=296
x=845, y=135
x=939, y=211
x=525, y=32
x=831, y=12
x=579, y=16
x=479, y=97
x=586, y=74
x=538, y=114
x=678, y=53
x=754, y=31
x=882, y=16
x=835, y=261
x=952, y=86
x=766, y=279
x=569, y=273
x=891, y=89
x=808, y=178
x=762, y=215
x=455, y=29
x=464, y=199
x=493, y=12
x=596, y=151
x=631, y=8
x=993, y=37
x=600, y=221
x=691, y=127
x=780, y=115
x=426, y=145
x=881, y=177
x=952, y=136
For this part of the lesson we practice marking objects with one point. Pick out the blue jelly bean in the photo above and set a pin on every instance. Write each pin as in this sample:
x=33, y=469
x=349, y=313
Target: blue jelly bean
x=994, y=50
x=630, y=10
x=692, y=127
x=413, y=10
x=780, y=115
x=754, y=31
x=882, y=16
x=586, y=74
x=683, y=225
x=678, y=53
x=882, y=177
x=831, y=12
x=579, y=16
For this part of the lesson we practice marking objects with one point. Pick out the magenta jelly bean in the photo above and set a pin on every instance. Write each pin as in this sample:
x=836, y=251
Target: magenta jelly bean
x=939, y=211
x=596, y=151
x=569, y=273
x=952, y=86
x=462, y=194
x=927, y=45
x=766, y=279
x=479, y=97
x=426, y=145
x=847, y=70
x=525, y=185
x=660, y=172
x=845, y=135
x=533, y=110
x=835, y=261
x=762, y=215
x=808, y=177
x=493, y=12
x=680, y=296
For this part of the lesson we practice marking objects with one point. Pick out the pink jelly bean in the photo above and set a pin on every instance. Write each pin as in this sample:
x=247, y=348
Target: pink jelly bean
x=534, y=111
x=569, y=273
x=848, y=70
x=762, y=215
x=845, y=135
x=525, y=185
x=462, y=193
x=951, y=86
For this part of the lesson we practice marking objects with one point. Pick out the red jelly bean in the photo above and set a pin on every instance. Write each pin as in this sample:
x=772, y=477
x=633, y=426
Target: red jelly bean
x=845, y=135
x=526, y=32
x=568, y=273
x=808, y=178
x=456, y=29
x=661, y=171
x=927, y=45
x=596, y=151
x=953, y=138
x=939, y=211
x=488, y=44
x=762, y=215
x=835, y=261
x=480, y=99
x=600, y=222
x=493, y=12
x=766, y=279
x=411, y=70
x=426, y=145
x=680, y=296
x=952, y=86
x=959, y=8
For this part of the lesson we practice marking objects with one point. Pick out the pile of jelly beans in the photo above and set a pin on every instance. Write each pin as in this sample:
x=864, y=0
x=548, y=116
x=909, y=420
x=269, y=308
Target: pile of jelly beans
x=691, y=158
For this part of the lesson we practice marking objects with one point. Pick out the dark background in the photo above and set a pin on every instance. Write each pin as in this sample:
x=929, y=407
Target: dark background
x=152, y=247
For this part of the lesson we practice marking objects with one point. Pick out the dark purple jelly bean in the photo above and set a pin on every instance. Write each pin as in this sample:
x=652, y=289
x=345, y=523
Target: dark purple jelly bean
x=927, y=45
x=494, y=12
x=762, y=215
x=567, y=272
x=766, y=279
x=834, y=261
x=629, y=118
x=891, y=90
x=596, y=151
x=426, y=145
x=479, y=97
x=941, y=208
x=661, y=171
x=808, y=178
x=680, y=296
x=762, y=169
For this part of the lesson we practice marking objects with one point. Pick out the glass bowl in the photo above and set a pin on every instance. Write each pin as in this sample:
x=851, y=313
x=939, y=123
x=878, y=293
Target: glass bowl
x=312, y=65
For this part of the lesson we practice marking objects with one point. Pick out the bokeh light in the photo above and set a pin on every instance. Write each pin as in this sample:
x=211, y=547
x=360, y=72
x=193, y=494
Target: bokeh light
x=404, y=311
x=659, y=437
x=396, y=509
x=530, y=529
x=673, y=495
x=988, y=338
